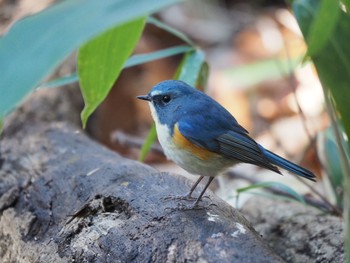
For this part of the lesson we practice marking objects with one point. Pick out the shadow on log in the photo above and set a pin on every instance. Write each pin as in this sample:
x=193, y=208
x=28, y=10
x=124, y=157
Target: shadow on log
x=50, y=171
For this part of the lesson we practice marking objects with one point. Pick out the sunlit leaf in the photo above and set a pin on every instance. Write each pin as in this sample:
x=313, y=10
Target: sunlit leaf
x=323, y=25
x=36, y=45
x=346, y=3
x=101, y=60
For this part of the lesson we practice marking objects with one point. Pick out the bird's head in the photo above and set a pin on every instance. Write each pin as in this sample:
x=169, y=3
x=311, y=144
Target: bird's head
x=168, y=100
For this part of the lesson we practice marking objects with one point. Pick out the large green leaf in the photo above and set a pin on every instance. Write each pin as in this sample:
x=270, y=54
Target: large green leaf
x=35, y=45
x=101, y=60
x=322, y=26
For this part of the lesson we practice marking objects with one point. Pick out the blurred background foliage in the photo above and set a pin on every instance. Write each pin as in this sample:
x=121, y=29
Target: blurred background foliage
x=267, y=60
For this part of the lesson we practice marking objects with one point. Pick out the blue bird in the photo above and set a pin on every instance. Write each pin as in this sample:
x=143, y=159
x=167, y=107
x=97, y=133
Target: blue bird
x=203, y=138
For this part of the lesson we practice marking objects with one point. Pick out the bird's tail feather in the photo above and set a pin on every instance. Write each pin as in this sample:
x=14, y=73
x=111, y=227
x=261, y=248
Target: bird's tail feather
x=289, y=166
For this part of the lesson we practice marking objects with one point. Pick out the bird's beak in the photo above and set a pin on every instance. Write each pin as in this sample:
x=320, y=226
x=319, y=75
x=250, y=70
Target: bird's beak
x=144, y=97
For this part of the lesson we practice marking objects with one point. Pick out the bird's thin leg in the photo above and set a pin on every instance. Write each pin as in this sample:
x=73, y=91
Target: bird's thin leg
x=189, y=195
x=205, y=188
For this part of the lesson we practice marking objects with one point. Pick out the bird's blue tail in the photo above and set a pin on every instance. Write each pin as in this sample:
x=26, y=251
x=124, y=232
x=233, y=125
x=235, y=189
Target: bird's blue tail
x=289, y=166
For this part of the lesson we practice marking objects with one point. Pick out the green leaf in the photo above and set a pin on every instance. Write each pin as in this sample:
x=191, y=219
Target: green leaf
x=144, y=58
x=202, y=80
x=1, y=125
x=282, y=187
x=35, y=45
x=169, y=29
x=255, y=73
x=192, y=67
x=333, y=164
x=346, y=3
x=146, y=147
x=101, y=60
x=323, y=25
x=132, y=61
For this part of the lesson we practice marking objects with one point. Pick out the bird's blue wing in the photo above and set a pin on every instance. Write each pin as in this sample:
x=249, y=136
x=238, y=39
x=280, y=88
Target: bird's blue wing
x=225, y=137
x=244, y=149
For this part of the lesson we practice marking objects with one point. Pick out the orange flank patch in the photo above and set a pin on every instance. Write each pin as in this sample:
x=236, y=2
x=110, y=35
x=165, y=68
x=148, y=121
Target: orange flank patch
x=185, y=144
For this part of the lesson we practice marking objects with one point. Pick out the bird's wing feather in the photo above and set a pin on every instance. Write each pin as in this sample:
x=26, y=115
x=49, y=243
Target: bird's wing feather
x=243, y=148
x=226, y=138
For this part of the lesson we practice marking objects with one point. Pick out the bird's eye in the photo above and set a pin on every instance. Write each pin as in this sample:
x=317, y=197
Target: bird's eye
x=166, y=98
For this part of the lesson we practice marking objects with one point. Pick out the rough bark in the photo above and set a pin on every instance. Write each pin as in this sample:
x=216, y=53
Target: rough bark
x=296, y=232
x=49, y=172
